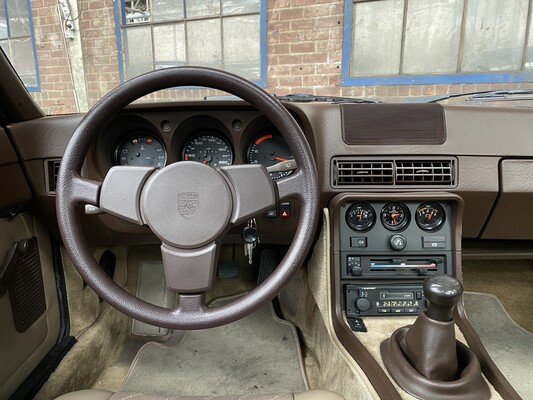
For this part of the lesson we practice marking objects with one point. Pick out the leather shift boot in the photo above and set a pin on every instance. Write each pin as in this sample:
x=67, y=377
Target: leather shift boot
x=430, y=348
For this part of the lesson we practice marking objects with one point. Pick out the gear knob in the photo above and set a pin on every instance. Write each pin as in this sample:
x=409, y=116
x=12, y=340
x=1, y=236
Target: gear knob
x=442, y=293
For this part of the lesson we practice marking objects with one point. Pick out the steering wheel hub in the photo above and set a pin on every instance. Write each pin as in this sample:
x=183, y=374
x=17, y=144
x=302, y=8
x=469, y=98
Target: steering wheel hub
x=186, y=204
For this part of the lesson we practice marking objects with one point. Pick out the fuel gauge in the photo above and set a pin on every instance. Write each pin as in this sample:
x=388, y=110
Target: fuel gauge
x=430, y=216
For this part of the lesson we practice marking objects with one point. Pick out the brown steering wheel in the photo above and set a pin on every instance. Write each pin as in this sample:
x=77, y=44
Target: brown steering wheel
x=220, y=198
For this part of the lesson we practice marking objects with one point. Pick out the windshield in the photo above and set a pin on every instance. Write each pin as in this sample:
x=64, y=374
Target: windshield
x=69, y=53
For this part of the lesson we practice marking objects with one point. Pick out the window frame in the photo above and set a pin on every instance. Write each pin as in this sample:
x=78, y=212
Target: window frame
x=427, y=79
x=37, y=86
x=120, y=17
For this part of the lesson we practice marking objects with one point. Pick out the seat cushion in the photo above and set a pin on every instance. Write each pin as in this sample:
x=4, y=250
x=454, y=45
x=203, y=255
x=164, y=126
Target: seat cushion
x=105, y=395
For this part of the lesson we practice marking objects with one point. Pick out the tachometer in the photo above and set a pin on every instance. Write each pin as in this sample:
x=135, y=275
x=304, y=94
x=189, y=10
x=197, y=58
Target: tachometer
x=272, y=151
x=208, y=148
x=141, y=151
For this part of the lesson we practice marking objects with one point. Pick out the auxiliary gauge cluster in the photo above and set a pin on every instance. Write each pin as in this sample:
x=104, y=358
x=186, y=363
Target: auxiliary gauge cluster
x=362, y=216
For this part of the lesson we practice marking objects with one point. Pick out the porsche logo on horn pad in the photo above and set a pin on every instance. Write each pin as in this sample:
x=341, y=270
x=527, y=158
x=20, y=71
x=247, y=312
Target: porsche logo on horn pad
x=188, y=203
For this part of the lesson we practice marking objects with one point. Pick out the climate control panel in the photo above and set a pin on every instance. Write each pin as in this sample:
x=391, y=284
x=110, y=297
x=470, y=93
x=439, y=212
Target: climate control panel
x=383, y=239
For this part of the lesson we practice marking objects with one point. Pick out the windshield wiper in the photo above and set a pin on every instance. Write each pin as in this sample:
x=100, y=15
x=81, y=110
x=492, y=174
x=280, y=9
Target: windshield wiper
x=309, y=98
x=487, y=95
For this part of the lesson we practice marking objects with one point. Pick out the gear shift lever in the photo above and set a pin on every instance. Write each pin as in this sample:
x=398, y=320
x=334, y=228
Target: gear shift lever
x=425, y=359
x=442, y=293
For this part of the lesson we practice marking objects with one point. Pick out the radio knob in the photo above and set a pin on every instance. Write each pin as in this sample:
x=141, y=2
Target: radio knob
x=362, y=304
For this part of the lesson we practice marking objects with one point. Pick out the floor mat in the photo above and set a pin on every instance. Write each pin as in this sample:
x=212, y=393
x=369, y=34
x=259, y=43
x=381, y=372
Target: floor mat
x=257, y=354
x=509, y=345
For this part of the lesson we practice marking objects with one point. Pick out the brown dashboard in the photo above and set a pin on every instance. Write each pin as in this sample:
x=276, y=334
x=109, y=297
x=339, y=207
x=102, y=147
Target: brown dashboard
x=484, y=155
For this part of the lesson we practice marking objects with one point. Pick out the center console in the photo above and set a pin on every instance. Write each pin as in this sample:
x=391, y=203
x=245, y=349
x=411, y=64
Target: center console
x=385, y=245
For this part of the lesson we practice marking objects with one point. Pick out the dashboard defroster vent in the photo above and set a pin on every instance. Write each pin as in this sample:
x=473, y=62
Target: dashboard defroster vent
x=361, y=172
x=430, y=172
x=364, y=172
x=51, y=172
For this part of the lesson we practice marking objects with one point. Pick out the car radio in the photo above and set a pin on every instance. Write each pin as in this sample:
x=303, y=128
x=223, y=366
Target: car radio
x=384, y=300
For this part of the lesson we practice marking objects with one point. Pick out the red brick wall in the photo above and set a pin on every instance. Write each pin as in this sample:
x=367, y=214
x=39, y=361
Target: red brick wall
x=57, y=94
x=99, y=44
x=304, y=55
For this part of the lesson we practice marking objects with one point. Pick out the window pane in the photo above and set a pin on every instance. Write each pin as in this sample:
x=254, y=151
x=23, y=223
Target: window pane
x=4, y=44
x=494, y=35
x=529, y=51
x=240, y=6
x=432, y=48
x=202, y=8
x=23, y=61
x=19, y=21
x=3, y=22
x=136, y=11
x=169, y=45
x=164, y=10
x=138, y=51
x=204, y=43
x=241, y=46
x=376, y=43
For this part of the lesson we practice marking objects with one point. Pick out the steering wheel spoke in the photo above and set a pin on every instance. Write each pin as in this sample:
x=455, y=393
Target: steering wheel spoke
x=121, y=192
x=252, y=189
x=189, y=270
x=85, y=190
x=291, y=187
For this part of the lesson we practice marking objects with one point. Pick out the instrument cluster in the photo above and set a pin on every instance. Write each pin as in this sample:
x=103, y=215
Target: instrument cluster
x=205, y=140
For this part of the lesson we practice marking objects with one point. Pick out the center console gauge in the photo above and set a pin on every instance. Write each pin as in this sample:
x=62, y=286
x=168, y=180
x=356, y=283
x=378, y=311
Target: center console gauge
x=430, y=216
x=395, y=216
x=360, y=216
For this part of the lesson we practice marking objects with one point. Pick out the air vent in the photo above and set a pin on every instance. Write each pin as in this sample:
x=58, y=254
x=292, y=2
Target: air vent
x=430, y=172
x=363, y=172
x=52, y=170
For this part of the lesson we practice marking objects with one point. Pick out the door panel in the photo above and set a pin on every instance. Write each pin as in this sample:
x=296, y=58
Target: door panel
x=29, y=310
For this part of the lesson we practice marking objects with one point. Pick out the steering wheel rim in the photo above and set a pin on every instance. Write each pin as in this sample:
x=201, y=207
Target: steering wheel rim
x=73, y=190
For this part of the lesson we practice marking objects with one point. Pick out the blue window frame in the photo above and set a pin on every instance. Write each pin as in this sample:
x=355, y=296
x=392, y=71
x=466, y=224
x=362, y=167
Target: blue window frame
x=406, y=42
x=225, y=34
x=17, y=40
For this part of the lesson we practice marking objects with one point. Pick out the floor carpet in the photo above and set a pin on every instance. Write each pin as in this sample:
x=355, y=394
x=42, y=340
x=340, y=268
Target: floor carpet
x=509, y=345
x=257, y=354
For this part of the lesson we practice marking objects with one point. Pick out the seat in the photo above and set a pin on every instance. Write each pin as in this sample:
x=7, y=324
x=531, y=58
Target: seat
x=105, y=395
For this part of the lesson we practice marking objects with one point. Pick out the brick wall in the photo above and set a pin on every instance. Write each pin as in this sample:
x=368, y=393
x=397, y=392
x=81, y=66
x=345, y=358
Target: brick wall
x=304, y=55
x=57, y=94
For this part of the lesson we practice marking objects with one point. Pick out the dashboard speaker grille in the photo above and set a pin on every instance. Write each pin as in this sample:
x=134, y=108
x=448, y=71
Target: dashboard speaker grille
x=364, y=172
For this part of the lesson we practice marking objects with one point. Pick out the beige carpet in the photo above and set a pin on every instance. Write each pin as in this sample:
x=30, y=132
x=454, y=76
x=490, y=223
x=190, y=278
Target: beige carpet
x=257, y=354
x=509, y=280
x=509, y=345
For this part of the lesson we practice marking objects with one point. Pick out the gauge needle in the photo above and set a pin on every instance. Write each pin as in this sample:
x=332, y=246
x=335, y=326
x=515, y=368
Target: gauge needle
x=361, y=216
x=431, y=215
x=280, y=159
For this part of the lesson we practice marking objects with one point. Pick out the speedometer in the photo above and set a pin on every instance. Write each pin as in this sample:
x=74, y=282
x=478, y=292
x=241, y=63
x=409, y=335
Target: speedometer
x=208, y=148
x=141, y=151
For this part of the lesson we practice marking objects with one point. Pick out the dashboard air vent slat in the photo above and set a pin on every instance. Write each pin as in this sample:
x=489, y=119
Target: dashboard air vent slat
x=52, y=167
x=430, y=172
x=364, y=172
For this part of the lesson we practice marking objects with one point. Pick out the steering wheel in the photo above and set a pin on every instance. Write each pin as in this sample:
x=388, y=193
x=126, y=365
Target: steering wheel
x=189, y=206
